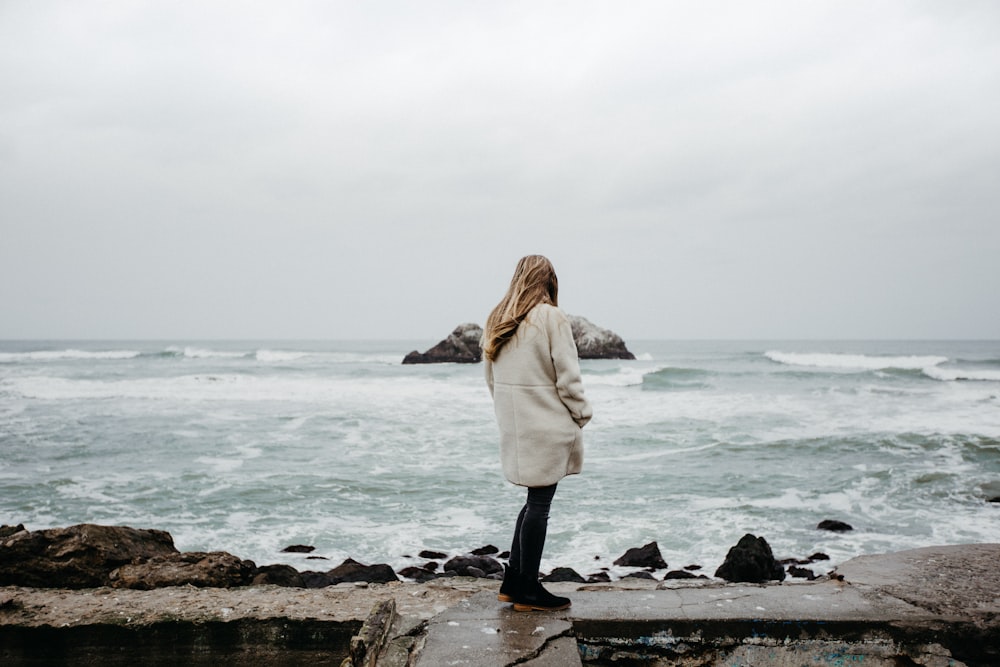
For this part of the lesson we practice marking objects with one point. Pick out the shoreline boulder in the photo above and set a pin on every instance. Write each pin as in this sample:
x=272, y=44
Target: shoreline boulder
x=80, y=556
x=644, y=556
x=751, y=561
x=215, y=569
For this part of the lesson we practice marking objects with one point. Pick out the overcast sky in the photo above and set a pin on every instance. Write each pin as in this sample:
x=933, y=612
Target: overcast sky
x=375, y=169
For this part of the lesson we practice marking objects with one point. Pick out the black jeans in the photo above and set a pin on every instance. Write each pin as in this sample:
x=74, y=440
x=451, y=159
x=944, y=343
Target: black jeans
x=529, y=532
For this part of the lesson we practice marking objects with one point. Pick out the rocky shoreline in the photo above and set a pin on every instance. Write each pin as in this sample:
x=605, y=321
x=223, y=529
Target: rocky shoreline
x=91, y=555
x=934, y=606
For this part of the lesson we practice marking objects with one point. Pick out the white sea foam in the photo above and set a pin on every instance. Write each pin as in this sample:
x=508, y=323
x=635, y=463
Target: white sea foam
x=202, y=353
x=853, y=361
x=349, y=451
x=277, y=356
x=625, y=377
x=58, y=355
x=951, y=374
x=405, y=393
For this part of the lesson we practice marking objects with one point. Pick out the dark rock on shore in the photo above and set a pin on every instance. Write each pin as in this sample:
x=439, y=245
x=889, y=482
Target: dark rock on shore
x=279, y=575
x=680, y=574
x=461, y=347
x=564, y=574
x=216, y=569
x=352, y=570
x=834, y=525
x=432, y=555
x=81, y=556
x=645, y=556
x=802, y=573
x=418, y=574
x=465, y=566
x=316, y=579
x=819, y=555
x=598, y=578
x=7, y=531
x=639, y=575
x=751, y=560
x=593, y=342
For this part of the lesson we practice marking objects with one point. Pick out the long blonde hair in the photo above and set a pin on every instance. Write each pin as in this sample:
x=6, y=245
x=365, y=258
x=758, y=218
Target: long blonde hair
x=534, y=282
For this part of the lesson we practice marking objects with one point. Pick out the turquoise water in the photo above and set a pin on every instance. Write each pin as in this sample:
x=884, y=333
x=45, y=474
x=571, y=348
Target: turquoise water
x=250, y=446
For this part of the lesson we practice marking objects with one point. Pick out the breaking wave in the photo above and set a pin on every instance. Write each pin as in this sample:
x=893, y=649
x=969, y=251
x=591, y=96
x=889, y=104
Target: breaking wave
x=62, y=355
x=854, y=361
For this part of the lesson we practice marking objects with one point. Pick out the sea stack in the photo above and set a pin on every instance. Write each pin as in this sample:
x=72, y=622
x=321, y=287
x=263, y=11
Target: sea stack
x=593, y=342
x=462, y=345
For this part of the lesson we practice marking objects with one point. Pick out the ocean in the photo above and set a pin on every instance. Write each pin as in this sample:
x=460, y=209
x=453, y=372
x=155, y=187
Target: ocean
x=251, y=446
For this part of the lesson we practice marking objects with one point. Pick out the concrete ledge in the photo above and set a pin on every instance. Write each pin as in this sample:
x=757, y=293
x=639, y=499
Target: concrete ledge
x=933, y=607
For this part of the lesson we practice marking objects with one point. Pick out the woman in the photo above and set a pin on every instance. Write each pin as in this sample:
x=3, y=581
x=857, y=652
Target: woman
x=533, y=374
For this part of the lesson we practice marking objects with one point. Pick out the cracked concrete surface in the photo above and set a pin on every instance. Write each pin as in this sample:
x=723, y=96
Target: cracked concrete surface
x=933, y=607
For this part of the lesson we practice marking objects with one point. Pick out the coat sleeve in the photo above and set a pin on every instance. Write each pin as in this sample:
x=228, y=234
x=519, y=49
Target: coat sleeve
x=488, y=371
x=566, y=362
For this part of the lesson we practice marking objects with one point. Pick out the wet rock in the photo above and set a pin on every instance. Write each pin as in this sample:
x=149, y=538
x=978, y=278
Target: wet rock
x=279, y=575
x=80, y=556
x=639, y=575
x=488, y=550
x=504, y=554
x=679, y=574
x=461, y=347
x=298, y=549
x=351, y=570
x=598, y=578
x=801, y=573
x=834, y=525
x=794, y=561
x=460, y=565
x=216, y=569
x=431, y=566
x=418, y=574
x=564, y=574
x=593, y=342
x=994, y=499
x=432, y=555
x=692, y=568
x=316, y=579
x=751, y=560
x=7, y=531
x=645, y=556
x=819, y=555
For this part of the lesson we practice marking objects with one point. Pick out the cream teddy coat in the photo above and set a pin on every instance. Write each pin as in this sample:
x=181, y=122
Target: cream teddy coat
x=539, y=400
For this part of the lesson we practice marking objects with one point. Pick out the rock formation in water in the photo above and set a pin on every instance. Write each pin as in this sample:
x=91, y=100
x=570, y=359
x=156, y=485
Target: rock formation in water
x=462, y=346
x=645, y=556
x=593, y=342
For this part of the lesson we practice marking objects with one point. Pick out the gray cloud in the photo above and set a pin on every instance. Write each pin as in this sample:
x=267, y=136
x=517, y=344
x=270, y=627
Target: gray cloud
x=716, y=169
